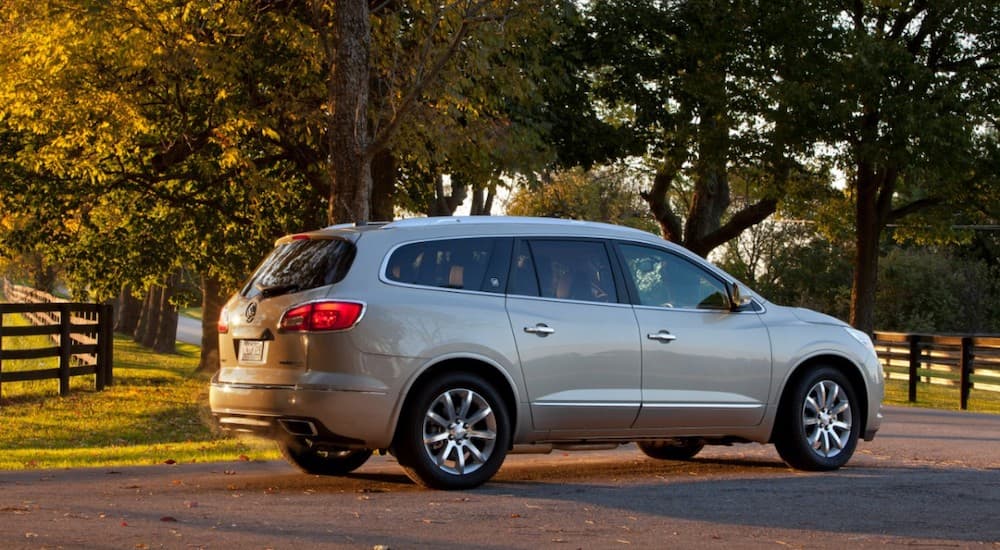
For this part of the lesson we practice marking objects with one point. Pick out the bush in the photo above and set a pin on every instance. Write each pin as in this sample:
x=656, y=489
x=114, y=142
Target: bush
x=930, y=290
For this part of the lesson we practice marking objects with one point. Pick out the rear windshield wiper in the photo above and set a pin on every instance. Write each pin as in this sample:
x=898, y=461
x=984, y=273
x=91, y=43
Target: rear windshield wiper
x=266, y=291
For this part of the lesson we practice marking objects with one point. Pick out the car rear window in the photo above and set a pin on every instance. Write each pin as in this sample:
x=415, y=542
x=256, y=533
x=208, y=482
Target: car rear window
x=301, y=265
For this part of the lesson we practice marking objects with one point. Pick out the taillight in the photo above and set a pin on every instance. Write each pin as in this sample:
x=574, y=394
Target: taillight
x=224, y=321
x=321, y=316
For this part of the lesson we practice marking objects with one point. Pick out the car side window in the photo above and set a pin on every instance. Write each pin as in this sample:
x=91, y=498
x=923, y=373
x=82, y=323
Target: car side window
x=450, y=263
x=563, y=269
x=663, y=279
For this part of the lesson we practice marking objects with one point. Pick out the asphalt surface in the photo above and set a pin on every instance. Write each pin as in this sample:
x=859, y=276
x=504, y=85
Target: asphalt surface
x=931, y=479
x=188, y=330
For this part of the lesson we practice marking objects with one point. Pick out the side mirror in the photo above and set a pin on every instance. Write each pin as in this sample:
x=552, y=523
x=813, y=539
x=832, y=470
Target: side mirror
x=737, y=299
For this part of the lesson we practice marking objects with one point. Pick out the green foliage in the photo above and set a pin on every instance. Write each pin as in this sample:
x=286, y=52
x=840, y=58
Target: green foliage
x=921, y=289
x=601, y=194
x=933, y=291
x=127, y=158
x=790, y=264
x=717, y=95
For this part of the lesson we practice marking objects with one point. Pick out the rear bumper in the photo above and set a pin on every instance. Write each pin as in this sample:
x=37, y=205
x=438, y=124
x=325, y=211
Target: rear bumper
x=353, y=419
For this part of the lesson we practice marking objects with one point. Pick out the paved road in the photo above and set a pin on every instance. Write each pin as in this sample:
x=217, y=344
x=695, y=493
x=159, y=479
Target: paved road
x=931, y=479
x=188, y=330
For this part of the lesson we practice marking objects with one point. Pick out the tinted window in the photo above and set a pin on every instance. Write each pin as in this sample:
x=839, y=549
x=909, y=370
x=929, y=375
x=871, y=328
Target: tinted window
x=663, y=279
x=301, y=265
x=570, y=270
x=455, y=263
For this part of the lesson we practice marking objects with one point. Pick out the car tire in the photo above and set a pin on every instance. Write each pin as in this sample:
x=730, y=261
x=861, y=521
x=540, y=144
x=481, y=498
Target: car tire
x=819, y=421
x=683, y=448
x=454, y=433
x=324, y=462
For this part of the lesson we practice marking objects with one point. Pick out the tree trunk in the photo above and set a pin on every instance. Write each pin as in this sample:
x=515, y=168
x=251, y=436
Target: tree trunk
x=211, y=307
x=383, y=186
x=865, y=277
x=127, y=309
x=445, y=205
x=711, y=196
x=351, y=185
x=874, y=190
x=482, y=201
x=165, y=333
x=145, y=330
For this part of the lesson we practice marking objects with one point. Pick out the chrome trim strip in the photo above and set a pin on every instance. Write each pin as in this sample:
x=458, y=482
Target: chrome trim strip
x=579, y=404
x=290, y=387
x=702, y=405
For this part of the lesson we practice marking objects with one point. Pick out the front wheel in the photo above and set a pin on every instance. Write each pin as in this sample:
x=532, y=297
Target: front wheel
x=454, y=434
x=326, y=462
x=820, y=421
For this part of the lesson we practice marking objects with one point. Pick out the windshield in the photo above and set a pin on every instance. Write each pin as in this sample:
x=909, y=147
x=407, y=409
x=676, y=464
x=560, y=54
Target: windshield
x=300, y=265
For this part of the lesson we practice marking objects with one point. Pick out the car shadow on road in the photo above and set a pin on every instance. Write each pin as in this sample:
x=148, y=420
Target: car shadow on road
x=904, y=501
x=938, y=502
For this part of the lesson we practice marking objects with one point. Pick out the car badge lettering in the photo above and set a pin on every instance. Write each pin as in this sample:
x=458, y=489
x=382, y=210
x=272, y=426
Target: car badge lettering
x=251, y=312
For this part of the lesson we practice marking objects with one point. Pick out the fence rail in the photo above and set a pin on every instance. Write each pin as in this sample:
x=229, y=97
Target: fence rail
x=81, y=334
x=964, y=361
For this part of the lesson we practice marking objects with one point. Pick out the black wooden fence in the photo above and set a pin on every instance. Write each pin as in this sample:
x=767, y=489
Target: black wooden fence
x=81, y=334
x=962, y=361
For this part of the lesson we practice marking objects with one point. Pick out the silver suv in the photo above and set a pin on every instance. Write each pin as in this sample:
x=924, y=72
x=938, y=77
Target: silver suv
x=450, y=342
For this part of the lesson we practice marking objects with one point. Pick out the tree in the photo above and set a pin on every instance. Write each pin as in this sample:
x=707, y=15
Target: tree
x=711, y=88
x=912, y=95
x=130, y=162
x=158, y=136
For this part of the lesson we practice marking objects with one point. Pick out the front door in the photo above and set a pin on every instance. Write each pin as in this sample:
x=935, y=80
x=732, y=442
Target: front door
x=703, y=365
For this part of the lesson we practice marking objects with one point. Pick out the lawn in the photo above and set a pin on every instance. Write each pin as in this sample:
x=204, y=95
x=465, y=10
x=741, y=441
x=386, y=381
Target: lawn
x=938, y=396
x=156, y=412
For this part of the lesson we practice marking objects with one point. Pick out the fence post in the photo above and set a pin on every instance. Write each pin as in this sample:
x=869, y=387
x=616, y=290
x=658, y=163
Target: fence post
x=64, y=349
x=106, y=345
x=966, y=367
x=1, y=344
x=914, y=340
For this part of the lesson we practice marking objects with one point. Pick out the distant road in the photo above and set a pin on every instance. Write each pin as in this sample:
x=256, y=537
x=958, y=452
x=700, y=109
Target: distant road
x=188, y=330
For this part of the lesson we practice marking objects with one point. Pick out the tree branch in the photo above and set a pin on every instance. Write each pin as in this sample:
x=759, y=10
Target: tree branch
x=656, y=198
x=747, y=217
x=469, y=20
x=912, y=207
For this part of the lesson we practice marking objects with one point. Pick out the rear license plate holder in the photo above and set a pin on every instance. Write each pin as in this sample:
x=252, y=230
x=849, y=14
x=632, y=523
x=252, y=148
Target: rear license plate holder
x=251, y=351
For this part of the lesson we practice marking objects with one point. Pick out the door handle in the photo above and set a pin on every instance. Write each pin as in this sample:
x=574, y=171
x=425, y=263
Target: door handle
x=540, y=329
x=662, y=336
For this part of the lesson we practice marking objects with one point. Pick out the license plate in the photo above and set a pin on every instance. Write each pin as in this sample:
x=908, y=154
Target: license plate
x=252, y=351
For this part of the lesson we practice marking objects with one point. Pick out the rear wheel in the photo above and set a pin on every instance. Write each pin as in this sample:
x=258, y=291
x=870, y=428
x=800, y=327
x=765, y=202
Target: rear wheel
x=820, y=421
x=454, y=433
x=683, y=448
x=327, y=462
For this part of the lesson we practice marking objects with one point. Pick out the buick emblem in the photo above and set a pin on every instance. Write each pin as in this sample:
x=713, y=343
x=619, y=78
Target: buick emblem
x=251, y=312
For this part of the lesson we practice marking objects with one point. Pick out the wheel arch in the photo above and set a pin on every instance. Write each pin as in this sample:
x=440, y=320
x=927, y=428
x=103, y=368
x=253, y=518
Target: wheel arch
x=846, y=367
x=492, y=373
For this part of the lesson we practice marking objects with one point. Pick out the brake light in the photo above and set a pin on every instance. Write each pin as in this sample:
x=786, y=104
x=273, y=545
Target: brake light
x=224, y=321
x=321, y=316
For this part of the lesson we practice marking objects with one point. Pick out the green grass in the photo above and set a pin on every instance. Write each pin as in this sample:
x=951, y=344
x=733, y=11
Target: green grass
x=937, y=396
x=156, y=411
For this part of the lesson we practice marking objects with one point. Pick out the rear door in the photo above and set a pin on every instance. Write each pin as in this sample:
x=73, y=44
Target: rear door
x=576, y=337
